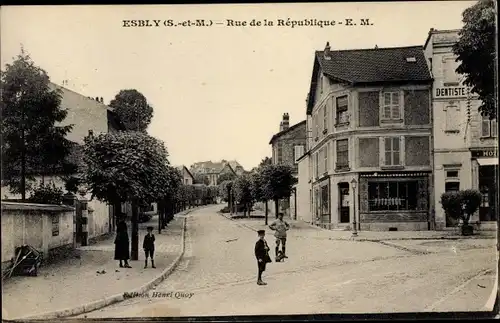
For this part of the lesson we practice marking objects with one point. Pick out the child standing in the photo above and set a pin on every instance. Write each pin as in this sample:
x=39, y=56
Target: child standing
x=262, y=255
x=149, y=247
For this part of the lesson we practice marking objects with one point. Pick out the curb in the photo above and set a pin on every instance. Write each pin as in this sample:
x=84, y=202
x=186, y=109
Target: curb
x=95, y=305
x=484, y=237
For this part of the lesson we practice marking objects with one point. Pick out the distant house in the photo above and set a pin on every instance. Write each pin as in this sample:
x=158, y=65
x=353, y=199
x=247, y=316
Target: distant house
x=288, y=145
x=89, y=116
x=187, y=177
x=213, y=170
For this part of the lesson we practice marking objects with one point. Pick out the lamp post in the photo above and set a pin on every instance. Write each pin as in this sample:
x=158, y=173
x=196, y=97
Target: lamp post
x=354, y=224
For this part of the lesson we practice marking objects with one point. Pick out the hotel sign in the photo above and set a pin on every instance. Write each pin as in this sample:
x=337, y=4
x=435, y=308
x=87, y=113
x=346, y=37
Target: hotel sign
x=451, y=92
x=485, y=153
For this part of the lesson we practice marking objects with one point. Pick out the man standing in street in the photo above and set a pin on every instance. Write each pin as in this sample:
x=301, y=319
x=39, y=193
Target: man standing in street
x=280, y=228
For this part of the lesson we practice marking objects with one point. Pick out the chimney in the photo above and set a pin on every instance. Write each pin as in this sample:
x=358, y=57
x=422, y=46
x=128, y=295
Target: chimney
x=285, y=124
x=102, y=100
x=97, y=98
x=376, y=47
x=326, y=52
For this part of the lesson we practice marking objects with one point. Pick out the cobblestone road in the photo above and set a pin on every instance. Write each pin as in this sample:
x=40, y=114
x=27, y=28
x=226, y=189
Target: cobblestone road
x=218, y=273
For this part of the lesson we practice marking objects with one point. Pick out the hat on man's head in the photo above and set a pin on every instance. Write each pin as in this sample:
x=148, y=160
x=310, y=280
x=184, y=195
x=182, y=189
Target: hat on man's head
x=149, y=228
x=260, y=232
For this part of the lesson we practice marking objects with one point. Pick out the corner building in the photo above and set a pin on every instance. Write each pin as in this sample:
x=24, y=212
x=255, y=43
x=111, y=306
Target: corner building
x=369, y=148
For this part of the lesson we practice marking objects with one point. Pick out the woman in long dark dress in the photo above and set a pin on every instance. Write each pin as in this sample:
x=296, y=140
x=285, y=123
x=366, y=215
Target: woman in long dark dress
x=122, y=244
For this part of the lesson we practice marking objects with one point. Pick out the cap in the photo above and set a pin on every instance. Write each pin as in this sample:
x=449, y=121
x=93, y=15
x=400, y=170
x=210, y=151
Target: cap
x=149, y=228
x=261, y=232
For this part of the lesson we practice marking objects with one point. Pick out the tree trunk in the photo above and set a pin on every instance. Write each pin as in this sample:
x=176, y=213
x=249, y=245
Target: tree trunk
x=160, y=211
x=276, y=207
x=134, y=254
x=267, y=212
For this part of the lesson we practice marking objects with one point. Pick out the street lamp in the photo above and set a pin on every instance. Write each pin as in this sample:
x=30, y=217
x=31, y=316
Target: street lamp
x=354, y=224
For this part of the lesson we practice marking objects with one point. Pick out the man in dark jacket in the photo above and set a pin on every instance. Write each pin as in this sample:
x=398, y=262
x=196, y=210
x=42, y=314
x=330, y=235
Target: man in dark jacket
x=149, y=247
x=262, y=255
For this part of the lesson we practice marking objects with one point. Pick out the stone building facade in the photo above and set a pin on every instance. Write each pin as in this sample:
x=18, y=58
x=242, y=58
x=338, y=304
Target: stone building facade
x=465, y=143
x=370, y=146
x=88, y=116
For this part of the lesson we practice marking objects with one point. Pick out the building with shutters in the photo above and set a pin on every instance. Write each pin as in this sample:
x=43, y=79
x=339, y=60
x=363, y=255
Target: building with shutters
x=288, y=145
x=368, y=154
x=465, y=143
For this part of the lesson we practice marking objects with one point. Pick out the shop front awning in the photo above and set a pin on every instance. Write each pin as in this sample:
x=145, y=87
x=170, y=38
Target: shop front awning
x=487, y=161
x=394, y=174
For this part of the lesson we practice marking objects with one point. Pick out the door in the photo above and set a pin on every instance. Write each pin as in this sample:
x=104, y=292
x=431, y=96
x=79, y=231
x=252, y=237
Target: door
x=344, y=202
x=488, y=188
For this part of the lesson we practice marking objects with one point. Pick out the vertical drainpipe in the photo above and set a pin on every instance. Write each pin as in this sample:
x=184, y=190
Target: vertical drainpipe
x=431, y=214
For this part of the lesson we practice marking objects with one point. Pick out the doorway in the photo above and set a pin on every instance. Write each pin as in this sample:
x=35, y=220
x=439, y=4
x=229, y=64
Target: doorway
x=344, y=209
x=488, y=188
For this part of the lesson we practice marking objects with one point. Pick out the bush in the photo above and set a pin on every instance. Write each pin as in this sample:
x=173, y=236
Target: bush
x=47, y=194
x=461, y=205
x=452, y=204
x=225, y=209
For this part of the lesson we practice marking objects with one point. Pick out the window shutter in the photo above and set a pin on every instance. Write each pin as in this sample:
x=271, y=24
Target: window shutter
x=485, y=127
x=402, y=105
x=327, y=166
x=402, y=153
x=381, y=98
x=382, y=150
x=493, y=126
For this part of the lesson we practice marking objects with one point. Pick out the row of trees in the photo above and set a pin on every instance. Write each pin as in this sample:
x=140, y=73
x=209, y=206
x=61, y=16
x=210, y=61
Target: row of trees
x=265, y=183
x=127, y=166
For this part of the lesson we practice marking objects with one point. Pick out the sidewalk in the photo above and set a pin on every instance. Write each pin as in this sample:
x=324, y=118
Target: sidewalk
x=317, y=232
x=91, y=276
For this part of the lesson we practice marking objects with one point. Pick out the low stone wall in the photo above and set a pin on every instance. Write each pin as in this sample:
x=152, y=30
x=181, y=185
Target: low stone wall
x=48, y=228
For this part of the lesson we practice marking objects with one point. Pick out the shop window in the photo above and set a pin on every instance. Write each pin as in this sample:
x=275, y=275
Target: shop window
x=392, y=196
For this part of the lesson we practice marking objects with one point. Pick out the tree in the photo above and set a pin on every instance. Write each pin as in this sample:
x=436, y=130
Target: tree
x=126, y=166
x=31, y=141
x=201, y=179
x=168, y=200
x=476, y=53
x=225, y=191
x=226, y=176
x=266, y=161
x=133, y=110
x=243, y=192
x=256, y=185
x=277, y=183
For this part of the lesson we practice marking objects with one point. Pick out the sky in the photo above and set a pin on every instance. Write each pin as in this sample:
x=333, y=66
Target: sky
x=218, y=92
